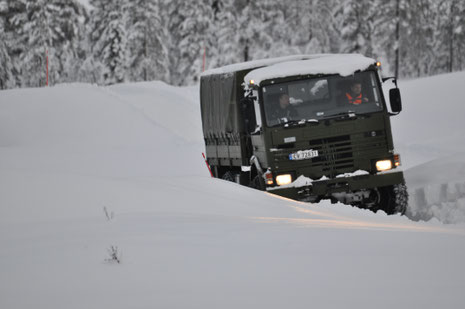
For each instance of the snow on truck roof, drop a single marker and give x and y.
(254, 64)
(342, 64)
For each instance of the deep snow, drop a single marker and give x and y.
(189, 241)
(430, 136)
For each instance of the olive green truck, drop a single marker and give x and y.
(306, 127)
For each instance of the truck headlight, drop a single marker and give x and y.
(383, 165)
(283, 179)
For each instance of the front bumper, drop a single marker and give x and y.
(324, 188)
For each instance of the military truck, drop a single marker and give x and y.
(306, 127)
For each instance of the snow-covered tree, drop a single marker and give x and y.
(418, 29)
(12, 16)
(6, 76)
(146, 38)
(92, 66)
(45, 27)
(450, 21)
(5, 61)
(358, 18)
(272, 37)
(459, 32)
(385, 32)
(166, 39)
(66, 35)
(109, 38)
(187, 24)
(223, 35)
(314, 28)
(254, 29)
(114, 50)
(38, 32)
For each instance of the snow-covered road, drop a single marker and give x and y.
(189, 241)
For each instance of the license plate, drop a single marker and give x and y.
(303, 154)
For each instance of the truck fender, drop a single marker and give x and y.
(254, 162)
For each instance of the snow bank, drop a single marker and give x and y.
(431, 124)
(437, 189)
(342, 64)
(429, 135)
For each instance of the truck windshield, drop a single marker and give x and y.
(321, 98)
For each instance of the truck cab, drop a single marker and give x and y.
(308, 128)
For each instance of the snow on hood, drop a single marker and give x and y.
(342, 64)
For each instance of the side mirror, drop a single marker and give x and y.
(396, 101)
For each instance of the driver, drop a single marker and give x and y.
(284, 109)
(355, 95)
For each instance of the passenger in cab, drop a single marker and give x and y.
(355, 95)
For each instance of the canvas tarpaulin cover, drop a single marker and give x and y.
(220, 114)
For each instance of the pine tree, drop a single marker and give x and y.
(357, 27)
(6, 77)
(98, 19)
(76, 68)
(114, 48)
(459, 32)
(5, 70)
(187, 24)
(314, 27)
(46, 27)
(38, 32)
(252, 35)
(386, 34)
(66, 33)
(223, 35)
(272, 37)
(108, 37)
(450, 19)
(92, 66)
(146, 41)
(12, 14)
(418, 29)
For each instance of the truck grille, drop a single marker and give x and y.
(335, 154)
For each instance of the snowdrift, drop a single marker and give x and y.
(90, 176)
(429, 134)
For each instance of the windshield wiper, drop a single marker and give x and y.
(293, 123)
(343, 115)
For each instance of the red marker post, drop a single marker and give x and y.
(46, 57)
(204, 58)
(208, 165)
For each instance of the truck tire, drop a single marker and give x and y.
(393, 199)
(258, 183)
(229, 176)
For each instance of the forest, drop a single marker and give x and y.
(114, 41)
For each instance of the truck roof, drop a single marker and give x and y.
(248, 65)
(342, 64)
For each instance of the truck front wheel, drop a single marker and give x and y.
(229, 176)
(393, 199)
(258, 183)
